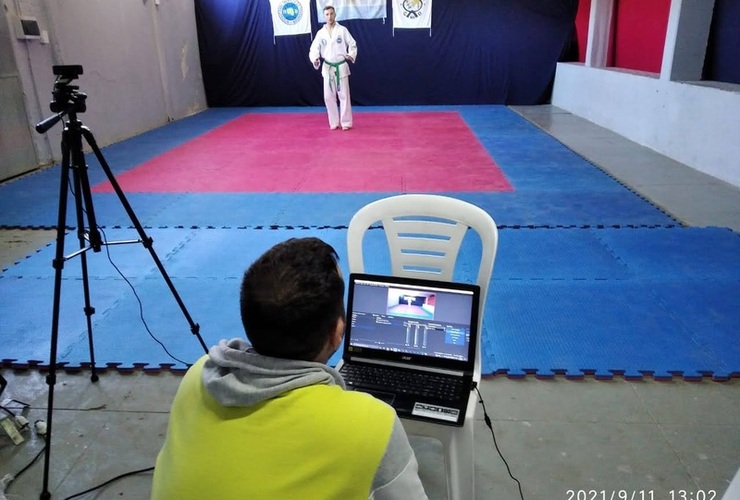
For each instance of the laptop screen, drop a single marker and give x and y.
(412, 320)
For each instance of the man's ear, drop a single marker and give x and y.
(338, 333)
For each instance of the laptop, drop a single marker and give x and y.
(411, 343)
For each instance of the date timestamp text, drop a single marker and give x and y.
(692, 495)
(640, 495)
(610, 495)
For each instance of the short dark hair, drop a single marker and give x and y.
(291, 299)
(329, 7)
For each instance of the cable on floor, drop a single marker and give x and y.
(490, 426)
(136, 295)
(8, 479)
(141, 306)
(121, 476)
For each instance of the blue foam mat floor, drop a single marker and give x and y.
(542, 209)
(590, 279)
(553, 186)
(629, 302)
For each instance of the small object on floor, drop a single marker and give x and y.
(9, 427)
(40, 427)
(21, 422)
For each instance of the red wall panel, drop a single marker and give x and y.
(582, 16)
(639, 34)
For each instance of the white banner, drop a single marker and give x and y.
(290, 17)
(412, 14)
(353, 9)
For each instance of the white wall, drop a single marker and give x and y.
(16, 143)
(695, 123)
(140, 58)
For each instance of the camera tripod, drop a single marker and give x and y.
(69, 102)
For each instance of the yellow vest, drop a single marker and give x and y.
(316, 442)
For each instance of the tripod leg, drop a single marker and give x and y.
(82, 185)
(58, 266)
(146, 240)
(83, 205)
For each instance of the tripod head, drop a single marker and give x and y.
(67, 99)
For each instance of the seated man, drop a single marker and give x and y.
(272, 420)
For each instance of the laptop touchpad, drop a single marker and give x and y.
(383, 396)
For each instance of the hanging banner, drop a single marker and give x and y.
(290, 17)
(412, 14)
(353, 9)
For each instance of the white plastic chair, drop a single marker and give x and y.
(424, 234)
(733, 490)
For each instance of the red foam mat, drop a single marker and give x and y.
(298, 153)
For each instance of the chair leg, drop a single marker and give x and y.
(460, 464)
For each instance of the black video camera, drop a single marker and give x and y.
(67, 98)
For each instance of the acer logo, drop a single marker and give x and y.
(406, 358)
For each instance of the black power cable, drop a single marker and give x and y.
(141, 306)
(490, 426)
(136, 295)
(12, 478)
(121, 476)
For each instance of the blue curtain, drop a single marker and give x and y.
(479, 52)
(722, 63)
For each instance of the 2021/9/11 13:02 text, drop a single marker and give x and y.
(640, 495)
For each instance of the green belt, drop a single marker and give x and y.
(336, 70)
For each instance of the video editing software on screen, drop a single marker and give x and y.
(411, 320)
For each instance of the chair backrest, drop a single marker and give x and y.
(424, 234)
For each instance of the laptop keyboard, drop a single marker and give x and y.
(426, 385)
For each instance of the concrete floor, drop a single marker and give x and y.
(559, 437)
